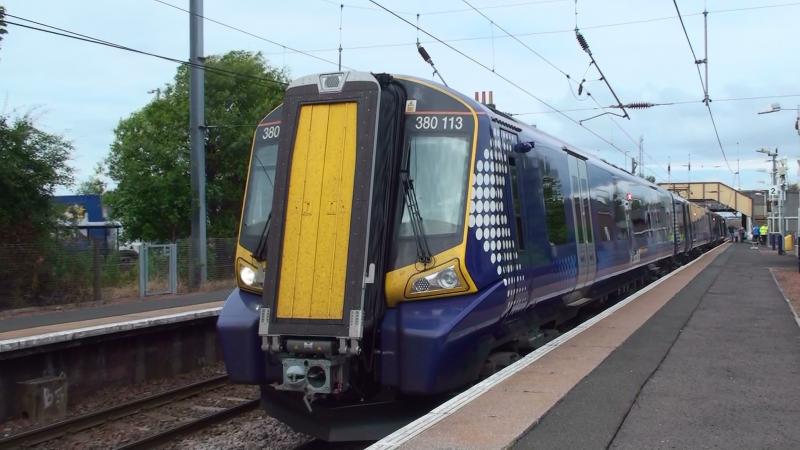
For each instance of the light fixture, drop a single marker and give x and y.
(250, 278)
(332, 82)
(444, 279)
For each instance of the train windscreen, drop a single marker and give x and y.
(260, 185)
(438, 167)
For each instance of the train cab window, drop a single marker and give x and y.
(438, 166)
(258, 201)
(515, 180)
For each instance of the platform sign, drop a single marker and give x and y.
(776, 193)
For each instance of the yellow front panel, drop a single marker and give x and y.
(317, 229)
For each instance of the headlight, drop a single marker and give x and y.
(247, 275)
(250, 277)
(443, 279)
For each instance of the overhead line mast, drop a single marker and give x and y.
(197, 142)
(703, 84)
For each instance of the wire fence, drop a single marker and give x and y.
(85, 271)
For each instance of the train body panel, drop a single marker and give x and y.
(443, 230)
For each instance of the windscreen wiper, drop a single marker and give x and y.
(261, 247)
(423, 251)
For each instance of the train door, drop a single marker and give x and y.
(584, 232)
(690, 227)
(516, 291)
(677, 238)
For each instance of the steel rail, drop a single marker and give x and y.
(167, 435)
(96, 418)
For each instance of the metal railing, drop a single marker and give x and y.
(82, 271)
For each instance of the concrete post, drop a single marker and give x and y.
(197, 272)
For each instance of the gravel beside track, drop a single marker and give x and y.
(117, 394)
(130, 428)
(251, 429)
(789, 281)
(254, 430)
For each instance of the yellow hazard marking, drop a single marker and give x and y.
(318, 209)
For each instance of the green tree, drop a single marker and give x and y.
(94, 184)
(32, 164)
(149, 157)
(650, 178)
(2, 22)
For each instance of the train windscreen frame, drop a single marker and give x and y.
(439, 134)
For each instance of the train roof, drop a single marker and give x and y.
(538, 135)
(528, 131)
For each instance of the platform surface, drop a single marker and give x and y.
(110, 310)
(58, 326)
(706, 358)
(717, 367)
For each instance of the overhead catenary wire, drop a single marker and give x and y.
(497, 74)
(504, 5)
(569, 78)
(541, 2)
(530, 49)
(697, 61)
(585, 46)
(706, 99)
(85, 38)
(642, 105)
(251, 34)
(533, 33)
(453, 11)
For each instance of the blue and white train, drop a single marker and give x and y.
(396, 235)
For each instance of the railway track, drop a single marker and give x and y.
(90, 421)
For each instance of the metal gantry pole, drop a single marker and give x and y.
(705, 60)
(774, 186)
(641, 156)
(198, 258)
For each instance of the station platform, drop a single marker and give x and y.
(23, 332)
(706, 357)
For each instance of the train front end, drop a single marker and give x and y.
(356, 202)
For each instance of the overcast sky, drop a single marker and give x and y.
(82, 90)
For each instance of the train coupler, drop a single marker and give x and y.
(314, 376)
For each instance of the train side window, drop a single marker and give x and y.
(619, 216)
(621, 203)
(638, 217)
(587, 209)
(515, 197)
(553, 193)
(576, 205)
(605, 216)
